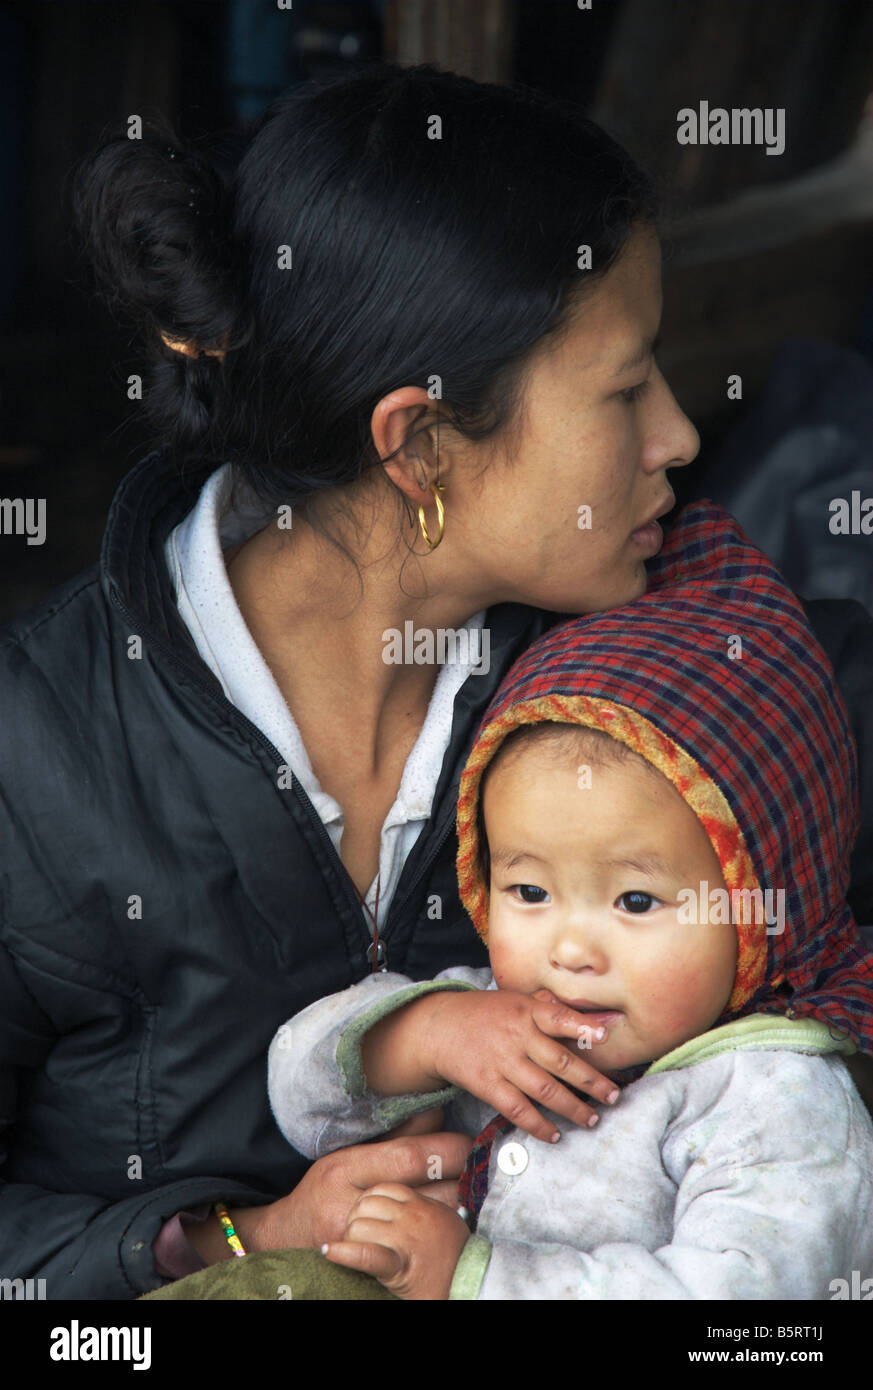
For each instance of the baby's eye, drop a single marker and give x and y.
(525, 888)
(638, 902)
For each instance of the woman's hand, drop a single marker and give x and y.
(318, 1208)
(501, 1046)
(409, 1242)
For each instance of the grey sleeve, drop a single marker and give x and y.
(317, 1089)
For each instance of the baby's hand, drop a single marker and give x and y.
(409, 1242)
(500, 1045)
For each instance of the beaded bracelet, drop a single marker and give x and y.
(230, 1234)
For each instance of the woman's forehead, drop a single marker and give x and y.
(618, 318)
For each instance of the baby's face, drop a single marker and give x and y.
(567, 915)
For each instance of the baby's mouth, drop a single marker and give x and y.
(590, 1011)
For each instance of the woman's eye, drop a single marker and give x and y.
(523, 889)
(634, 392)
(638, 902)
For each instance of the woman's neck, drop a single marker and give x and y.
(322, 633)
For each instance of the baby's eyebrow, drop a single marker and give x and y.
(506, 858)
(651, 864)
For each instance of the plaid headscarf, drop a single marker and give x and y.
(760, 747)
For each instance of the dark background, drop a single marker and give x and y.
(762, 251)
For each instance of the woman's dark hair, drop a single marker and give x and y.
(411, 257)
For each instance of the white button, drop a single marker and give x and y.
(512, 1159)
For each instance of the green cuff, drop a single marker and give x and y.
(470, 1269)
(391, 1110)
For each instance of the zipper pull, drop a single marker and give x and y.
(377, 957)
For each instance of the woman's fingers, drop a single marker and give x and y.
(380, 1202)
(318, 1207)
(415, 1160)
(445, 1191)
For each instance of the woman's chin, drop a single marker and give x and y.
(614, 597)
(631, 588)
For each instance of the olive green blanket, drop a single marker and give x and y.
(301, 1275)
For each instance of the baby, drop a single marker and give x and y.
(654, 828)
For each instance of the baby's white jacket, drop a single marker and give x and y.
(740, 1166)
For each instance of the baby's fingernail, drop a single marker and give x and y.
(600, 1033)
(595, 1119)
(324, 1249)
(613, 1097)
(555, 1137)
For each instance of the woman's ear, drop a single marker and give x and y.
(403, 427)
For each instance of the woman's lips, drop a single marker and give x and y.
(651, 536)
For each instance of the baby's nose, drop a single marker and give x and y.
(578, 948)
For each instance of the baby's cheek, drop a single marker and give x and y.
(674, 999)
(506, 967)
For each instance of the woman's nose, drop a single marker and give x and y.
(687, 442)
(680, 441)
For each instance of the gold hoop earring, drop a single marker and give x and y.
(436, 489)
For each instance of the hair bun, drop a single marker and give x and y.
(153, 218)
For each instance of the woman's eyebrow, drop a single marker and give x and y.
(648, 347)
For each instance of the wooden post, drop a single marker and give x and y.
(471, 37)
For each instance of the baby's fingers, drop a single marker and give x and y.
(369, 1258)
(546, 1090)
(574, 1070)
(514, 1105)
(558, 1020)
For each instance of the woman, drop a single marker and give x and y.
(405, 387)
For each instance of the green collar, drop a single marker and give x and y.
(767, 1032)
